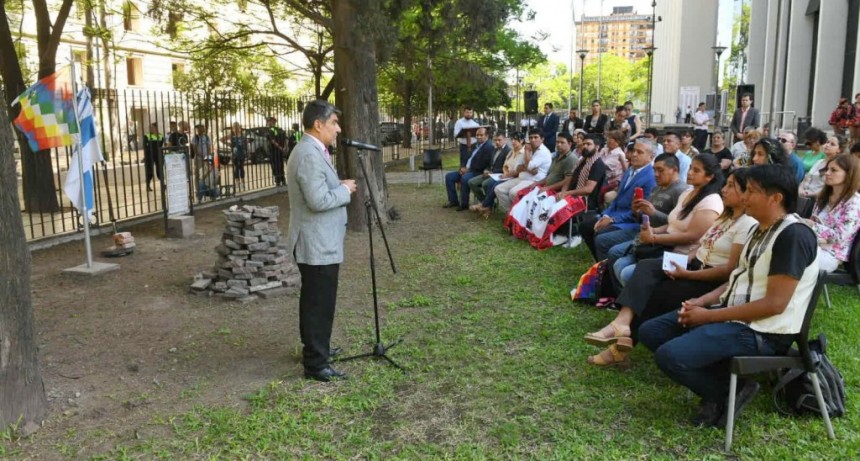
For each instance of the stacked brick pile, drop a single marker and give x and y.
(251, 261)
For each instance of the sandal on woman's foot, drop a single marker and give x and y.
(603, 302)
(610, 357)
(599, 338)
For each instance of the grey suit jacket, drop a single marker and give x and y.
(317, 206)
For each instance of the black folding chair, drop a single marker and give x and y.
(801, 357)
(432, 160)
(849, 274)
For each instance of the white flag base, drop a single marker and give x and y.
(97, 268)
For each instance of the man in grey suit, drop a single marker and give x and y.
(318, 200)
(745, 117)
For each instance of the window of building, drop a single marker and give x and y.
(134, 69)
(80, 66)
(131, 17)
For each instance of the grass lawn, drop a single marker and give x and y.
(497, 370)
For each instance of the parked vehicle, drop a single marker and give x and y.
(258, 145)
(390, 133)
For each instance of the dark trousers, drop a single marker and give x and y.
(586, 230)
(651, 293)
(316, 313)
(277, 161)
(152, 164)
(697, 358)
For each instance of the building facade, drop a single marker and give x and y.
(624, 33)
(684, 61)
(803, 56)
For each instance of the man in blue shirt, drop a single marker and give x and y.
(789, 141)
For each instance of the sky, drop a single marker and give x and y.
(555, 17)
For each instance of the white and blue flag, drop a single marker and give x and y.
(92, 154)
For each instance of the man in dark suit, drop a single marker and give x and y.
(318, 200)
(480, 159)
(572, 123)
(744, 117)
(478, 184)
(548, 124)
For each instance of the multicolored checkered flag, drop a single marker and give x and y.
(47, 115)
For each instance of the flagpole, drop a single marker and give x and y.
(80, 151)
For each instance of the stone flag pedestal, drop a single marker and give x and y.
(252, 262)
(96, 268)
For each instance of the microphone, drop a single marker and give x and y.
(359, 145)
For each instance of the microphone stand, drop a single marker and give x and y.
(379, 348)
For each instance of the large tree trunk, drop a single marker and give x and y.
(22, 394)
(356, 95)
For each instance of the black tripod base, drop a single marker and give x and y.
(379, 350)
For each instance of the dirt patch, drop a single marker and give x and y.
(128, 348)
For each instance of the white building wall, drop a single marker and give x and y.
(800, 27)
(684, 57)
(832, 28)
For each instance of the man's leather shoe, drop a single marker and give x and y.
(708, 415)
(450, 205)
(461, 208)
(325, 374)
(334, 351)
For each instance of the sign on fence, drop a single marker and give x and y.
(177, 182)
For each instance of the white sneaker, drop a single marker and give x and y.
(573, 242)
(558, 240)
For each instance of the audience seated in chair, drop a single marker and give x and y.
(478, 184)
(695, 212)
(836, 213)
(618, 223)
(813, 182)
(760, 309)
(512, 167)
(475, 165)
(615, 159)
(584, 180)
(672, 145)
(537, 166)
(651, 291)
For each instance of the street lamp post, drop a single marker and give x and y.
(581, 54)
(718, 50)
(650, 52)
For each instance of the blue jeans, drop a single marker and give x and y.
(623, 268)
(490, 193)
(604, 241)
(451, 179)
(698, 358)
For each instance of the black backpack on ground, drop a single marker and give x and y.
(794, 393)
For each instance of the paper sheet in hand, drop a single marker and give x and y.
(498, 177)
(669, 258)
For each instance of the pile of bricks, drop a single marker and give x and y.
(251, 261)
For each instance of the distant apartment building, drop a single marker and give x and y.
(623, 33)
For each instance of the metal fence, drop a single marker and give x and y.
(123, 118)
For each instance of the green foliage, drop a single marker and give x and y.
(462, 48)
(621, 80)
